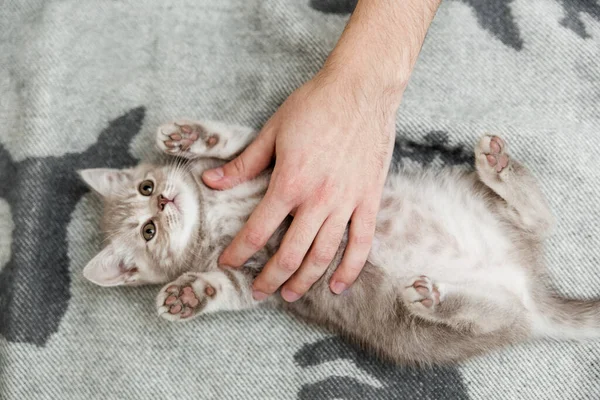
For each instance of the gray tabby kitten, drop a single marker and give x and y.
(456, 267)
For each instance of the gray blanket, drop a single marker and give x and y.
(85, 83)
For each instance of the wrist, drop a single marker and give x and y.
(374, 63)
(378, 50)
(368, 88)
(361, 61)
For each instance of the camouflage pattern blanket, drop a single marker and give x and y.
(84, 84)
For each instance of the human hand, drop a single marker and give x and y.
(332, 139)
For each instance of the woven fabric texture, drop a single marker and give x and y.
(85, 83)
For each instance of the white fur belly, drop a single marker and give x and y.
(436, 226)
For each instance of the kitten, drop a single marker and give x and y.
(455, 270)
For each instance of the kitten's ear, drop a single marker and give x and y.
(103, 180)
(107, 269)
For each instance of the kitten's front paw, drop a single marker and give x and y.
(185, 298)
(185, 138)
(422, 293)
(491, 154)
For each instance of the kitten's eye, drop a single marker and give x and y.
(146, 188)
(148, 231)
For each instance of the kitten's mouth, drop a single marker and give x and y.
(175, 204)
(164, 201)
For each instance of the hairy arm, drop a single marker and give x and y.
(381, 43)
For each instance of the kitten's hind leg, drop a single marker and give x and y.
(527, 206)
(195, 293)
(479, 310)
(203, 139)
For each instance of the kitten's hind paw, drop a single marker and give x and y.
(422, 294)
(491, 154)
(184, 298)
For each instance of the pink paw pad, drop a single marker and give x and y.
(431, 295)
(184, 137)
(497, 158)
(188, 297)
(181, 300)
(175, 308)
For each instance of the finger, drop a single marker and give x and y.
(319, 257)
(362, 230)
(263, 221)
(288, 258)
(253, 160)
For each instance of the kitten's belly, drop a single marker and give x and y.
(440, 227)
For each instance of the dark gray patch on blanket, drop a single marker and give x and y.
(42, 193)
(334, 6)
(493, 16)
(435, 148)
(573, 10)
(496, 17)
(396, 382)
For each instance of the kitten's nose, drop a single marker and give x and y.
(162, 201)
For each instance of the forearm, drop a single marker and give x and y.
(381, 43)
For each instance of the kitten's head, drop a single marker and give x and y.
(151, 215)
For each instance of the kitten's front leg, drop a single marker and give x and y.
(195, 293)
(203, 139)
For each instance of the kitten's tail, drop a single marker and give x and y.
(562, 318)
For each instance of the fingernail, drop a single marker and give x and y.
(338, 287)
(214, 174)
(289, 296)
(259, 296)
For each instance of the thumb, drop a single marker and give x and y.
(247, 165)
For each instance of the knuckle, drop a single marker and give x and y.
(324, 193)
(302, 283)
(254, 239)
(263, 286)
(352, 270)
(368, 220)
(290, 190)
(289, 262)
(361, 240)
(289, 184)
(270, 289)
(269, 285)
(297, 283)
(311, 276)
(265, 283)
(300, 286)
(239, 165)
(323, 255)
(301, 232)
(339, 228)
